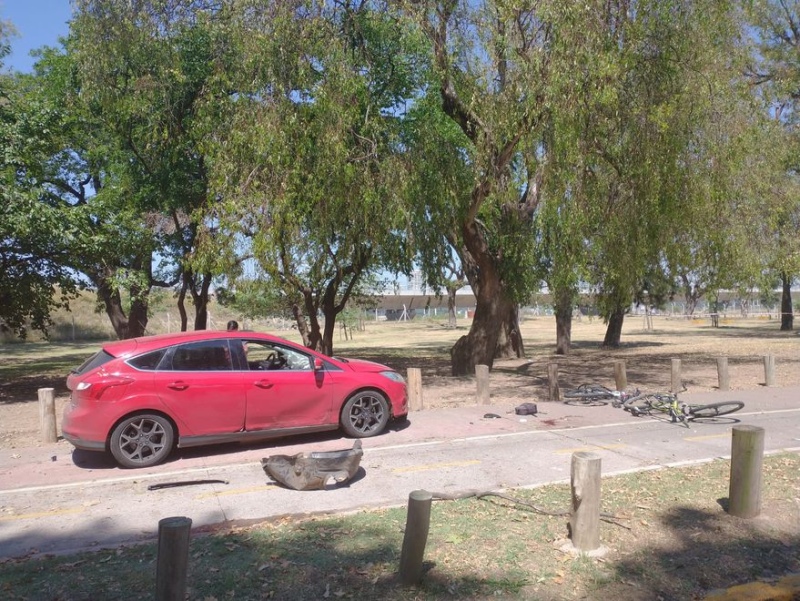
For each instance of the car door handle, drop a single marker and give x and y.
(263, 383)
(179, 385)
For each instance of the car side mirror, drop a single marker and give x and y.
(318, 364)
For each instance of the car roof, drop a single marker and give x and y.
(143, 344)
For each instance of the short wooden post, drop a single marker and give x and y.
(418, 520)
(482, 378)
(747, 455)
(585, 518)
(769, 370)
(173, 558)
(552, 382)
(722, 373)
(47, 413)
(676, 384)
(415, 401)
(620, 377)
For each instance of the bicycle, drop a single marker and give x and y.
(646, 404)
(595, 395)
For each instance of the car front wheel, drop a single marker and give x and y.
(365, 414)
(142, 440)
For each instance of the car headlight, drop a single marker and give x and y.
(394, 376)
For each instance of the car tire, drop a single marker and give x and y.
(365, 414)
(142, 440)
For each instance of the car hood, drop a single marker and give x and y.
(361, 365)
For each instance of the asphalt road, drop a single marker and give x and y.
(56, 500)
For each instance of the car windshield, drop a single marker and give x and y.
(92, 362)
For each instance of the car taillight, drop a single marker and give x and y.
(98, 387)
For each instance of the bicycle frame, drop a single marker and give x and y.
(665, 403)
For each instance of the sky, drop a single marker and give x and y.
(38, 23)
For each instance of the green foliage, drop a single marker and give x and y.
(253, 299)
(34, 244)
(314, 146)
(309, 159)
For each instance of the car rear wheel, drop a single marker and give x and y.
(365, 414)
(142, 440)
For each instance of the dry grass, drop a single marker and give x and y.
(670, 540)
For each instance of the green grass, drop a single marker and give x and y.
(43, 359)
(670, 539)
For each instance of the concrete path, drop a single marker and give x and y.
(57, 500)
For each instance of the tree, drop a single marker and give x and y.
(66, 160)
(775, 70)
(490, 71)
(309, 156)
(145, 70)
(647, 88)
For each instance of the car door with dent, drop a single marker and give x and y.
(283, 390)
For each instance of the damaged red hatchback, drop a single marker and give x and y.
(139, 398)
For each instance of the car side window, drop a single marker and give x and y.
(210, 355)
(268, 356)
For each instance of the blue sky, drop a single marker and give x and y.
(38, 23)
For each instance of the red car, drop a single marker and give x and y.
(139, 398)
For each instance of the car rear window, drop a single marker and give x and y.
(96, 360)
(209, 355)
(148, 361)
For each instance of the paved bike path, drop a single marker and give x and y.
(54, 500)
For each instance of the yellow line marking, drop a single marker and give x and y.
(606, 447)
(708, 436)
(235, 491)
(434, 466)
(42, 514)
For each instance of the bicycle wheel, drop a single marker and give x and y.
(641, 404)
(588, 394)
(714, 409)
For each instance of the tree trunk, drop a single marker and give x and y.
(451, 308)
(509, 340)
(329, 312)
(137, 318)
(182, 306)
(691, 304)
(787, 314)
(563, 311)
(124, 326)
(614, 329)
(302, 325)
(563, 331)
(200, 300)
(314, 330)
(479, 346)
(113, 305)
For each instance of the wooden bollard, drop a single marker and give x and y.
(585, 517)
(415, 401)
(47, 414)
(769, 370)
(482, 379)
(620, 377)
(722, 373)
(676, 385)
(552, 382)
(418, 520)
(173, 558)
(747, 456)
